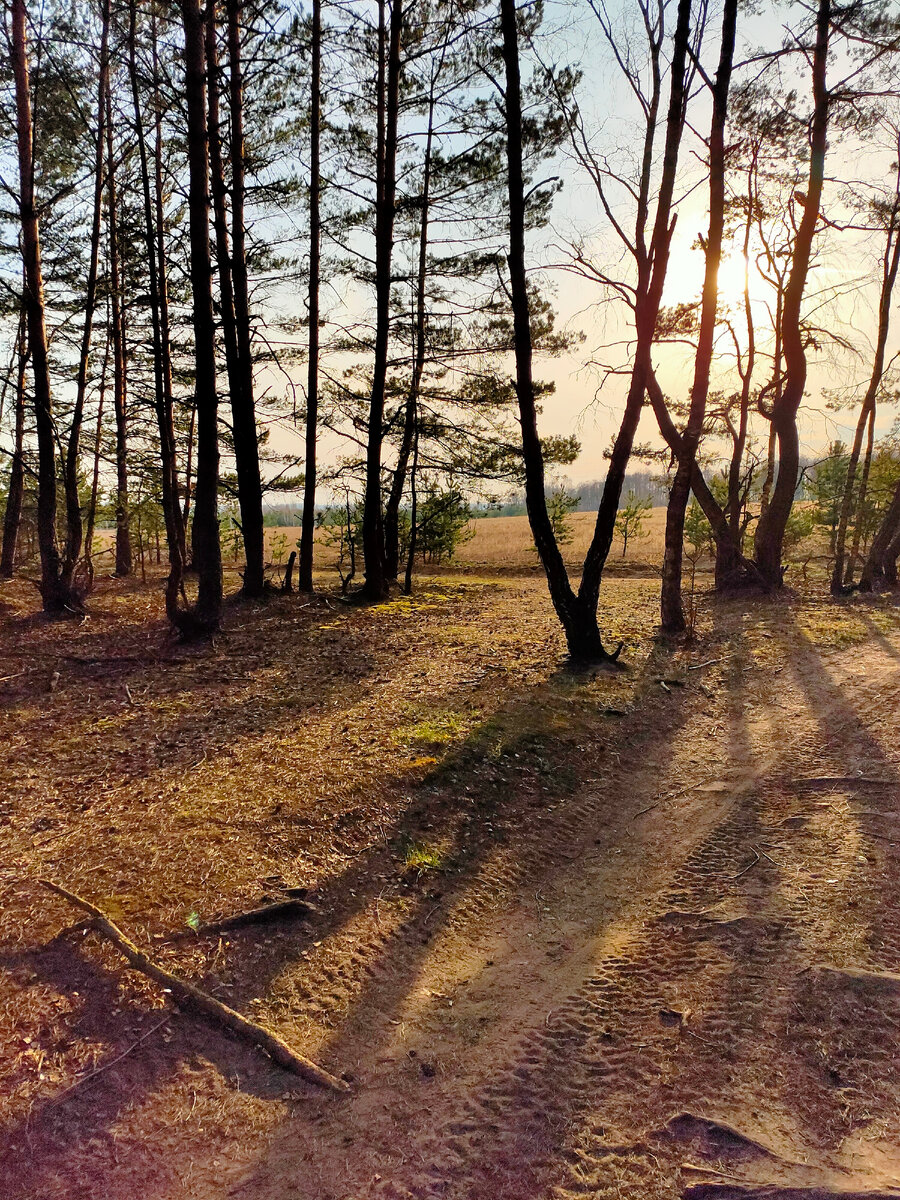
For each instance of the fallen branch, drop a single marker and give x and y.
(188, 996)
(254, 916)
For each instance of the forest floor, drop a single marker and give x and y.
(624, 934)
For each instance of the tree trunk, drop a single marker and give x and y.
(395, 497)
(890, 263)
(55, 596)
(91, 518)
(124, 556)
(879, 563)
(167, 442)
(889, 561)
(16, 493)
(672, 608)
(307, 530)
(207, 551)
(413, 510)
(233, 292)
(731, 566)
(162, 392)
(578, 619)
(376, 583)
(772, 523)
(652, 275)
(736, 490)
(74, 526)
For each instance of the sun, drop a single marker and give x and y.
(684, 279)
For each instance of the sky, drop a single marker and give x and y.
(580, 403)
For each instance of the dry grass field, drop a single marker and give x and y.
(504, 545)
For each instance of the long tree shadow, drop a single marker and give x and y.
(848, 1039)
(53, 1132)
(515, 1135)
(532, 1100)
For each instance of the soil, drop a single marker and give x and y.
(624, 934)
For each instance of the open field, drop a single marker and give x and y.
(501, 545)
(599, 933)
(505, 545)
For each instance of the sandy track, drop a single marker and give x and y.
(625, 1003)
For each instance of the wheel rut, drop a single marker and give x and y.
(648, 1022)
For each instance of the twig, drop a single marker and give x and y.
(187, 995)
(640, 812)
(749, 865)
(699, 666)
(106, 1066)
(770, 858)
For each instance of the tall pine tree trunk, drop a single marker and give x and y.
(16, 491)
(672, 608)
(207, 552)
(55, 596)
(124, 557)
(579, 620)
(307, 530)
(74, 525)
(376, 583)
(773, 521)
(652, 275)
(889, 264)
(161, 363)
(243, 407)
(91, 518)
(395, 496)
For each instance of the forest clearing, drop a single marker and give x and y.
(570, 931)
(449, 603)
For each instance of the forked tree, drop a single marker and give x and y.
(577, 611)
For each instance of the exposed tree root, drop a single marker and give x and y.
(188, 996)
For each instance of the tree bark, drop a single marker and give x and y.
(772, 522)
(885, 544)
(889, 263)
(55, 596)
(233, 292)
(672, 608)
(652, 275)
(307, 530)
(124, 555)
(161, 364)
(395, 497)
(376, 583)
(91, 518)
(578, 618)
(74, 525)
(731, 565)
(207, 551)
(16, 493)
(168, 444)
